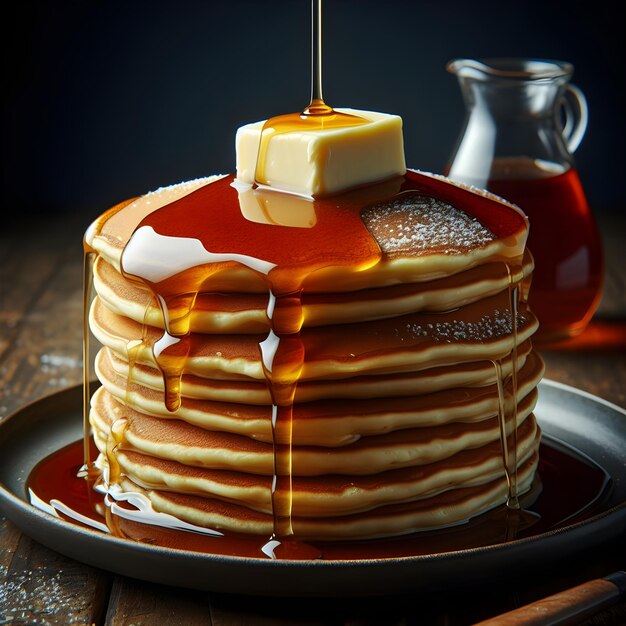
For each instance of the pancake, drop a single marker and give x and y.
(356, 387)
(326, 422)
(174, 440)
(443, 510)
(332, 494)
(246, 313)
(389, 378)
(479, 331)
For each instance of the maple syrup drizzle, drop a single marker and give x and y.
(284, 257)
(115, 438)
(513, 495)
(507, 398)
(88, 260)
(282, 355)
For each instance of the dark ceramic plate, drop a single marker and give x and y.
(593, 426)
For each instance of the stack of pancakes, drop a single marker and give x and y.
(396, 412)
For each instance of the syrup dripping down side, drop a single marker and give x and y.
(283, 356)
(88, 470)
(507, 400)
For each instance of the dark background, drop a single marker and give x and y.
(107, 100)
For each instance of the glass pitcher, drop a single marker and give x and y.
(524, 121)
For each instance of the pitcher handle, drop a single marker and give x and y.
(576, 111)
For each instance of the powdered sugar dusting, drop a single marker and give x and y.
(490, 326)
(419, 224)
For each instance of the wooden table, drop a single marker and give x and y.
(40, 353)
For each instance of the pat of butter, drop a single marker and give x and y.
(325, 161)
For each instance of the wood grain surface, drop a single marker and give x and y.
(40, 353)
